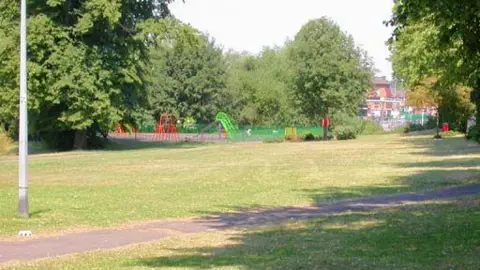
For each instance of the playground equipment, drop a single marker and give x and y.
(227, 124)
(291, 133)
(120, 130)
(166, 129)
(224, 125)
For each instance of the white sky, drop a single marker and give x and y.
(249, 25)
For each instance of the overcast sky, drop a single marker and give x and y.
(249, 25)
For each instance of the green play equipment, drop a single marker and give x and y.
(227, 124)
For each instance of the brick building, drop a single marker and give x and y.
(383, 102)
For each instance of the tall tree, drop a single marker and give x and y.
(262, 87)
(455, 42)
(86, 64)
(417, 59)
(188, 75)
(424, 95)
(332, 74)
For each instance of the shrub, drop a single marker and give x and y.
(5, 142)
(309, 137)
(343, 119)
(329, 137)
(430, 124)
(345, 132)
(474, 133)
(345, 126)
(371, 128)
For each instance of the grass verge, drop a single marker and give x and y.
(434, 235)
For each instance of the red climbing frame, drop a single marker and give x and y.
(166, 129)
(120, 130)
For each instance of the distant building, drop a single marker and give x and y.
(383, 102)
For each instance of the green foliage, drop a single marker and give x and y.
(346, 127)
(345, 132)
(189, 122)
(474, 133)
(342, 119)
(86, 63)
(426, 90)
(309, 137)
(456, 108)
(430, 124)
(188, 75)
(330, 71)
(370, 128)
(439, 38)
(6, 143)
(449, 36)
(259, 89)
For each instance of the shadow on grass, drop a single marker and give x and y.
(39, 213)
(469, 162)
(126, 145)
(432, 177)
(402, 231)
(436, 236)
(37, 148)
(445, 147)
(267, 216)
(461, 168)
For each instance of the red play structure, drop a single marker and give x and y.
(120, 130)
(166, 129)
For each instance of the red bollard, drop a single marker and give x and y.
(446, 127)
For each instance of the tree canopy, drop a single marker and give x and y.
(439, 39)
(94, 64)
(331, 73)
(188, 75)
(86, 62)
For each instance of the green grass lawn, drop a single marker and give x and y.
(79, 190)
(435, 235)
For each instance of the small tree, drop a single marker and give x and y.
(425, 94)
(331, 73)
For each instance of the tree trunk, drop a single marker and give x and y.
(80, 141)
(475, 97)
(438, 122)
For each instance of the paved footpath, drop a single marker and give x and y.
(157, 230)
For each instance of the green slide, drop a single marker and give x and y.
(227, 124)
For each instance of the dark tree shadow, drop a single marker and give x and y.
(129, 144)
(409, 237)
(354, 228)
(445, 147)
(472, 162)
(463, 174)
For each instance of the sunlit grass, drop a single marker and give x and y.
(78, 190)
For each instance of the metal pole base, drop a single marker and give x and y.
(23, 202)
